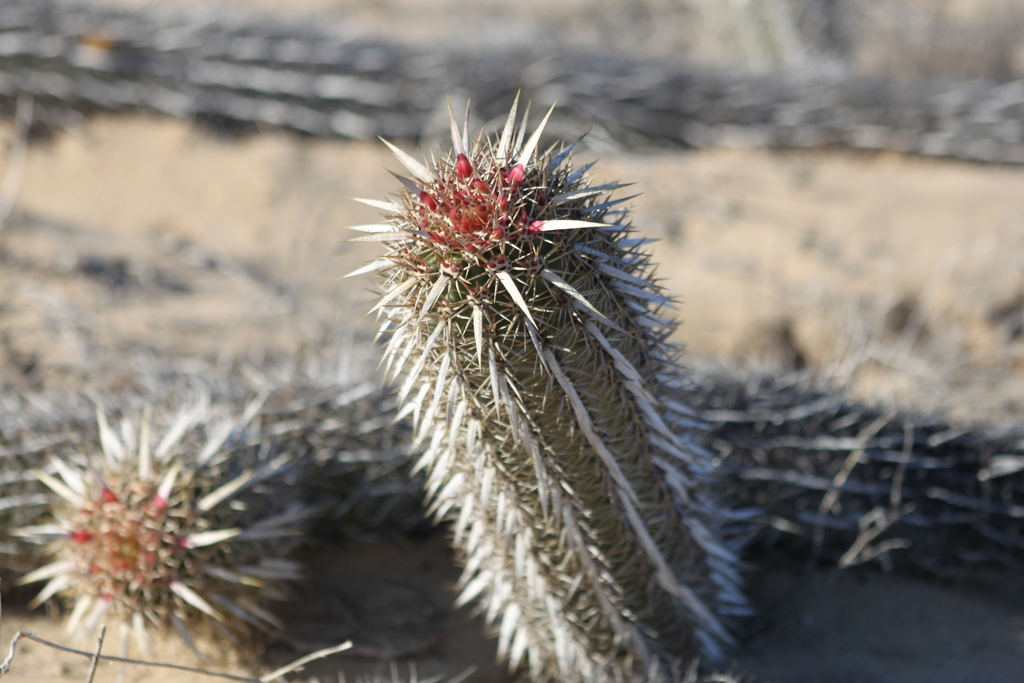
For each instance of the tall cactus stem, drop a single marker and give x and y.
(527, 328)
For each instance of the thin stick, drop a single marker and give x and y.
(16, 158)
(828, 501)
(108, 658)
(896, 496)
(5, 666)
(96, 657)
(878, 521)
(830, 498)
(302, 661)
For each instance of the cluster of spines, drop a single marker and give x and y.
(538, 371)
(174, 536)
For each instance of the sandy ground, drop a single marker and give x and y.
(902, 277)
(391, 598)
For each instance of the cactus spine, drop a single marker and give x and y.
(189, 533)
(524, 319)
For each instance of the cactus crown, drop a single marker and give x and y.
(522, 313)
(173, 537)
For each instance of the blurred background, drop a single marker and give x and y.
(153, 236)
(899, 39)
(793, 157)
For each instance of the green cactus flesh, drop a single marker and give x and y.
(525, 326)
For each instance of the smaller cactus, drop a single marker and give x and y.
(181, 535)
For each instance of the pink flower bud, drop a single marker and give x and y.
(463, 167)
(516, 175)
(428, 201)
(80, 537)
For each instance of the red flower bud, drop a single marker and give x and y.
(463, 167)
(516, 175)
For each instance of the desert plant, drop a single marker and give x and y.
(25, 439)
(849, 482)
(188, 534)
(523, 313)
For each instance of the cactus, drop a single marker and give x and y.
(24, 436)
(189, 534)
(22, 500)
(526, 324)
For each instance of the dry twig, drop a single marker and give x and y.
(856, 482)
(95, 657)
(16, 157)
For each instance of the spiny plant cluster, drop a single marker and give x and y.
(528, 329)
(189, 533)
